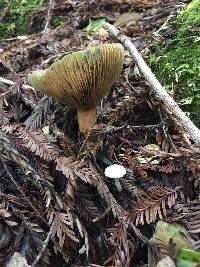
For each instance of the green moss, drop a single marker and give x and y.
(57, 21)
(14, 14)
(179, 65)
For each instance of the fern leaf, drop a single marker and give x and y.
(74, 169)
(40, 112)
(84, 235)
(154, 205)
(62, 225)
(38, 144)
(9, 128)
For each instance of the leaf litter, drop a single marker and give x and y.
(57, 208)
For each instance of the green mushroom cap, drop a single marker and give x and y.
(81, 79)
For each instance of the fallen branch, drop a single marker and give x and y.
(9, 82)
(158, 89)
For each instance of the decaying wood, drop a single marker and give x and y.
(157, 88)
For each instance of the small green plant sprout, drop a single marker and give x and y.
(188, 258)
(57, 21)
(187, 100)
(94, 26)
(116, 172)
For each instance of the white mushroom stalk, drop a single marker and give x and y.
(116, 172)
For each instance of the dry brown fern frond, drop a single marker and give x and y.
(193, 215)
(168, 167)
(44, 172)
(3, 114)
(75, 170)
(25, 167)
(62, 225)
(87, 204)
(124, 248)
(153, 204)
(122, 108)
(39, 144)
(40, 112)
(5, 215)
(9, 128)
(67, 166)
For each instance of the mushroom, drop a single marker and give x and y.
(116, 172)
(81, 79)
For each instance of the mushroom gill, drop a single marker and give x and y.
(81, 79)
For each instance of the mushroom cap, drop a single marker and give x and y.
(115, 171)
(81, 79)
(37, 79)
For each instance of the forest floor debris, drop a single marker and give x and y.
(54, 195)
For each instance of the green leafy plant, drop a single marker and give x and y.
(177, 62)
(14, 16)
(188, 258)
(94, 26)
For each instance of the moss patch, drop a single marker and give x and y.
(14, 14)
(177, 61)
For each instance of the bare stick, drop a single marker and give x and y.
(157, 88)
(51, 4)
(43, 249)
(133, 127)
(9, 82)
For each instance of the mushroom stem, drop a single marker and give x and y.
(118, 185)
(86, 119)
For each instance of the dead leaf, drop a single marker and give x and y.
(128, 18)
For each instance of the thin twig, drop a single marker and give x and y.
(43, 249)
(9, 82)
(178, 125)
(165, 155)
(167, 135)
(155, 85)
(49, 13)
(133, 127)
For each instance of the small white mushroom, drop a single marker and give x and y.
(116, 172)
